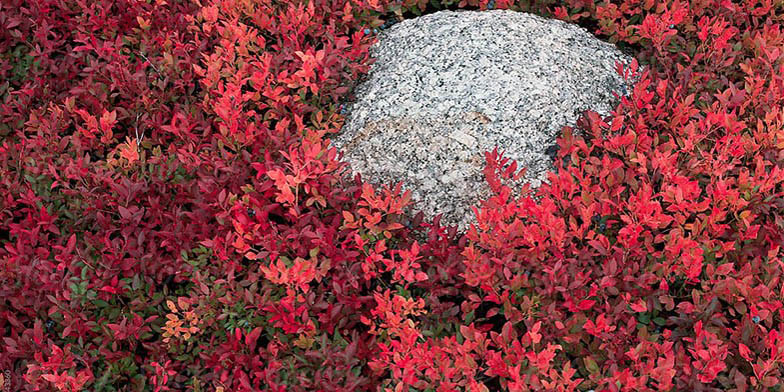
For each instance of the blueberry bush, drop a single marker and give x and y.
(173, 217)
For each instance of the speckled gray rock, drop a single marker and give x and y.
(448, 86)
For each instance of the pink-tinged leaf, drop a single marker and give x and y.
(348, 16)
(53, 378)
(639, 307)
(124, 212)
(252, 337)
(38, 333)
(744, 352)
(586, 304)
(69, 247)
(770, 381)
(534, 334)
(394, 226)
(129, 150)
(725, 268)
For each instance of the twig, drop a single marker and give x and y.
(136, 126)
(151, 64)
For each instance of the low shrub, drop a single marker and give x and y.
(174, 218)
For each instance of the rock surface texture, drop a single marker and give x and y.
(448, 86)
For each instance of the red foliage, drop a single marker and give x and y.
(173, 217)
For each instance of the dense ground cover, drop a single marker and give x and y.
(172, 217)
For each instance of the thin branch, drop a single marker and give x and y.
(136, 129)
(151, 64)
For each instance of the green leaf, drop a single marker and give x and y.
(100, 303)
(469, 317)
(644, 318)
(591, 365)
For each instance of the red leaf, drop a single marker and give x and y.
(586, 304)
(38, 333)
(348, 16)
(124, 212)
(252, 337)
(129, 150)
(639, 307)
(744, 352)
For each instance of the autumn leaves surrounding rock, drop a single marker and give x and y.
(171, 218)
(447, 87)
